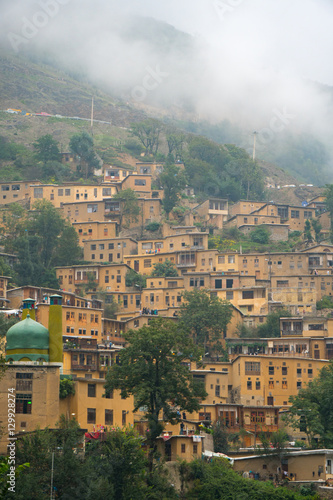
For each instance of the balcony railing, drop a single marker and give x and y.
(84, 367)
(290, 332)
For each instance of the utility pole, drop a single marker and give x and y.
(254, 145)
(51, 493)
(92, 115)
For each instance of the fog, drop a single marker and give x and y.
(262, 64)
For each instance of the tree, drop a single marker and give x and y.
(205, 317)
(66, 388)
(260, 235)
(307, 231)
(130, 209)
(175, 140)
(148, 132)
(311, 409)
(117, 466)
(133, 278)
(220, 437)
(166, 269)
(82, 145)
(153, 368)
(70, 474)
(41, 246)
(271, 328)
(172, 180)
(47, 149)
(317, 227)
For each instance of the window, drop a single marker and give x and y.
(252, 367)
(140, 182)
(183, 448)
(111, 246)
(299, 372)
(257, 385)
(218, 283)
(92, 207)
(217, 391)
(91, 390)
(295, 214)
(231, 259)
(229, 295)
(118, 278)
(284, 384)
(282, 283)
(67, 192)
(195, 449)
(299, 385)
(230, 283)
(284, 370)
(93, 247)
(249, 385)
(108, 417)
(106, 191)
(23, 384)
(38, 192)
(91, 415)
(271, 384)
(147, 263)
(221, 259)
(310, 373)
(123, 417)
(248, 294)
(60, 192)
(23, 403)
(257, 417)
(271, 370)
(101, 246)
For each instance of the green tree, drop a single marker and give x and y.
(82, 145)
(260, 235)
(317, 227)
(69, 478)
(153, 368)
(271, 327)
(133, 278)
(217, 481)
(307, 231)
(117, 466)
(172, 180)
(41, 246)
(311, 409)
(220, 437)
(47, 149)
(130, 208)
(175, 140)
(68, 250)
(148, 132)
(205, 317)
(66, 388)
(166, 269)
(329, 204)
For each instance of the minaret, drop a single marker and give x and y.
(55, 329)
(29, 308)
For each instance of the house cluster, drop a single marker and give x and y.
(249, 392)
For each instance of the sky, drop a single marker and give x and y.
(253, 62)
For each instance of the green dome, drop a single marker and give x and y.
(27, 335)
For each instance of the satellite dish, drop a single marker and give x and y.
(304, 203)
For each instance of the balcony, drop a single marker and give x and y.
(291, 333)
(84, 367)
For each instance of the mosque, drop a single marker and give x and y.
(34, 360)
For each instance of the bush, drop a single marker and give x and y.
(260, 235)
(153, 226)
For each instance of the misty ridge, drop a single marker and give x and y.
(223, 69)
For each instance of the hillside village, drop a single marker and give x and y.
(248, 389)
